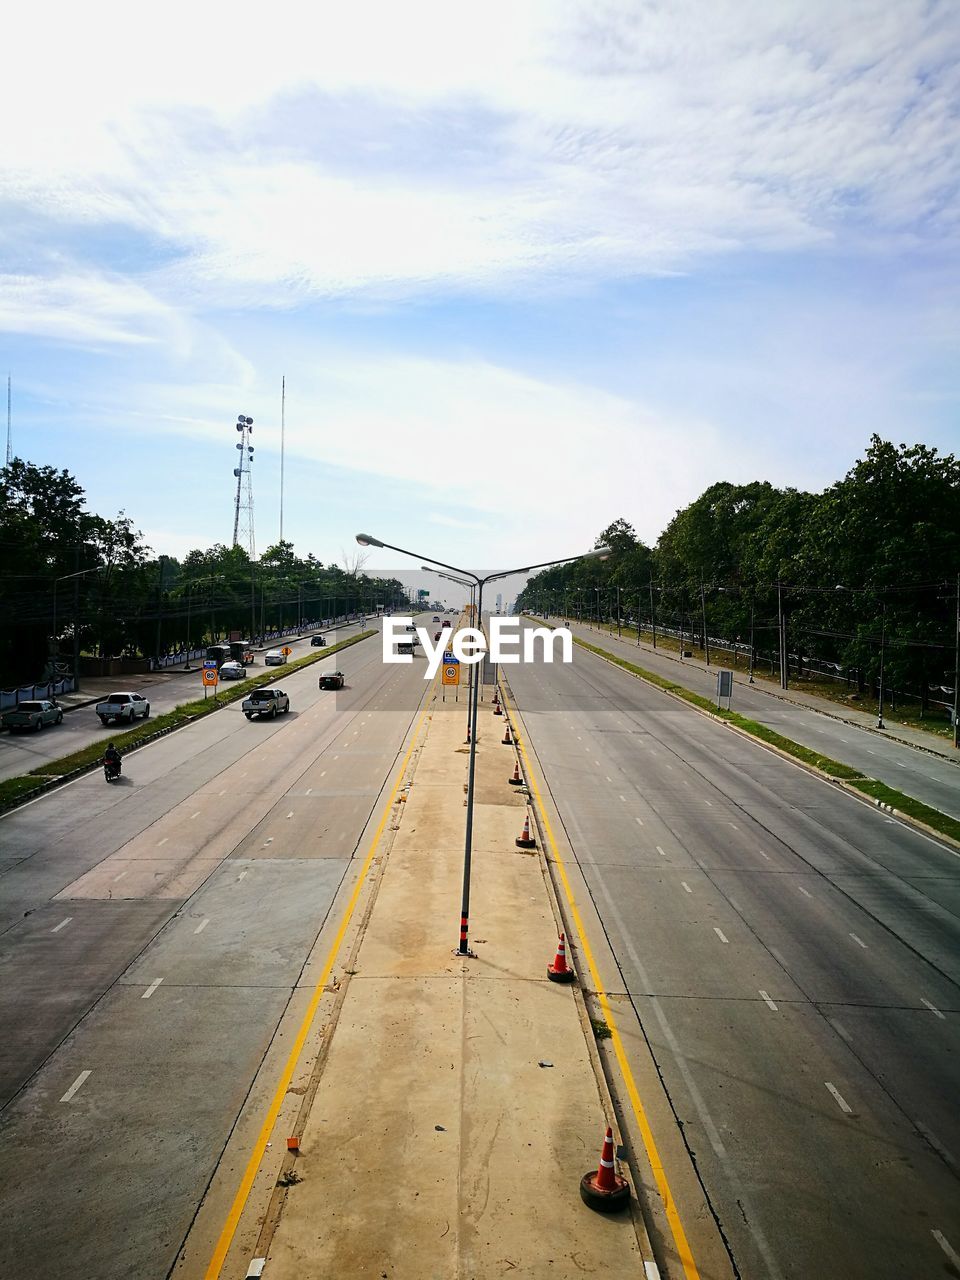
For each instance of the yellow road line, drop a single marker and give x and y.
(253, 1164)
(653, 1155)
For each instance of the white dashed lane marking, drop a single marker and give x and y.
(838, 1099)
(202, 925)
(767, 1001)
(932, 1007)
(62, 925)
(151, 989)
(77, 1084)
(720, 934)
(859, 941)
(686, 886)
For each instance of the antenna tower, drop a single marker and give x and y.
(243, 508)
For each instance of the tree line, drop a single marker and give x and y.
(73, 582)
(868, 566)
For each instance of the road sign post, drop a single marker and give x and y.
(724, 687)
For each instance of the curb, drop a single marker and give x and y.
(584, 998)
(60, 779)
(843, 783)
(884, 734)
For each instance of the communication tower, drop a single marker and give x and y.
(243, 508)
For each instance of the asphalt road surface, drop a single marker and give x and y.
(20, 752)
(152, 934)
(792, 956)
(925, 777)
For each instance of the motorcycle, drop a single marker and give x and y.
(111, 770)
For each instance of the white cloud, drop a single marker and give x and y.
(593, 140)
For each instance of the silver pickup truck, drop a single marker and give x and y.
(265, 702)
(122, 706)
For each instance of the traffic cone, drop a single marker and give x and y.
(496, 707)
(560, 971)
(506, 739)
(516, 780)
(605, 1189)
(523, 840)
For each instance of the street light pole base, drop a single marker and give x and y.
(465, 954)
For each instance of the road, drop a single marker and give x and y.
(926, 777)
(152, 935)
(792, 957)
(21, 752)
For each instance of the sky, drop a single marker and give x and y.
(525, 267)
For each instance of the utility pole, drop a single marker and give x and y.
(653, 616)
(160, 560)
(956, 671)
(784, 673)
(9, 437)
(703, 615)
(883, 636)
(283, 433)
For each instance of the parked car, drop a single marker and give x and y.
(331, 680)
(318, 642)
(265, 702)
(273, 658)
(233, 671)
(123, 706)
(32, 715)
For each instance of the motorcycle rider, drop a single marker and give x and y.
(111, 758)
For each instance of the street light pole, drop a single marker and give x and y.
(956, 672)
(63, 578)
(653, 617)
(618, 612)
(883, 636)
(703, 615)
(751, 680)
(782, 628)
(365, 540)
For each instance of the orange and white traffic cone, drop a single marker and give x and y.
(516, 780)
(560, 971)
(506, 739)
(496, 707)
(604, 1189)
(523, 840)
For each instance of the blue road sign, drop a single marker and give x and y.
(449, 657)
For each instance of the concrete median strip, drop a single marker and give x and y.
(436, 1143)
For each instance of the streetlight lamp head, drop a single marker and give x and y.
(599, 553)
(365, 540)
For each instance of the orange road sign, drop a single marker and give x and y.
(286, 651)
(210, 676)
(451, 673)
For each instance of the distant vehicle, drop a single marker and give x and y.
(273, 658)
(447, 623)
(221, 652)
(123, 706)
(241, 651)
(318, 642)
(436, 617)
(265, 702)
(331, 680)
(411, 627)
(32, 715)
(233, 671)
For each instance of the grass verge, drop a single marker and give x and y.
(15, 789)
(911, 808)
(832, 767)
(903, 804)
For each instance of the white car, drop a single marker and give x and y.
(273, 658)
(233, 671)
(123, 706)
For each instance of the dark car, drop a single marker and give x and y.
(331, 680)
(318, 642)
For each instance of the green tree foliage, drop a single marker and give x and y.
(131, 603)
(875, 554)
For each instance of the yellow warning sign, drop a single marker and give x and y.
(451, 673)
(286, 651)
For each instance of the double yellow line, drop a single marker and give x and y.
(229, 1229)
(653, 1155)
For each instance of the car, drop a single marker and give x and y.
(265, 702)
(123, 706)
(318, 642)
(32, 715)
(273, 658)
(331, 680)
(446, 623)
(438, 634)
(436, 617)
(233, 671)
